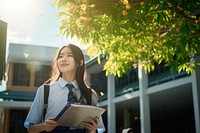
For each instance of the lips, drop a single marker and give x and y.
(64, 65)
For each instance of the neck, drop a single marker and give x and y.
(69, 77)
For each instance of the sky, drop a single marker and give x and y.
(32, 22)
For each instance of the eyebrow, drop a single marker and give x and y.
(66, 53)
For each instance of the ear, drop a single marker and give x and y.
(81, 62)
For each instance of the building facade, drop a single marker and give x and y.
(28, 66)
(3, 37)
(156, 102)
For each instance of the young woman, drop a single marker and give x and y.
(68, 67)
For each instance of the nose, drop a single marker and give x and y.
(64, 59)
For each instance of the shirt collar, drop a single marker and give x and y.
(63, 83)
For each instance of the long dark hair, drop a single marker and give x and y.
(80, 72)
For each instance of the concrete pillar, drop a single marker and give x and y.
(144, 100)
(196, 97)
(111, 111)
(6, 121)
(1, 119)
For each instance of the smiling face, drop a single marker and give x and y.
(66, 62)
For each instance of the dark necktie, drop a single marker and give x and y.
(71, 96)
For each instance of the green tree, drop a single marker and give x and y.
(127, 31)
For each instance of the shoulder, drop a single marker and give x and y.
(95, 97)
(52, 85)
(94, 90)
(94, 93)
(40, 90)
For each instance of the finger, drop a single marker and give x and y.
(95, 121)
(88, 126)
(52, 122)
(50, 127)
(91, 126)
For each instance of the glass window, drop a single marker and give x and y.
(99, 82)
(17, 118)
(159, 69)
(126, 79)
(42, 74)
(21, 74)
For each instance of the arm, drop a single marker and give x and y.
(48, 126)
(36, 128)
(34, 121)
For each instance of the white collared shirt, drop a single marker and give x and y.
(58, 95)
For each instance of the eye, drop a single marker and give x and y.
(70, 55)
(60, 56)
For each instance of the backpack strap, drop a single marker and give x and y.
(89, 97)
(46, 95)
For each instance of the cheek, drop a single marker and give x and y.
(58, 63)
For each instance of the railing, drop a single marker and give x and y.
(17, 95)
(152, 81)
(127, 89)
(165, 77)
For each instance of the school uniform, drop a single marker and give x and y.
(58, 95)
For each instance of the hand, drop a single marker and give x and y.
(92, 125)
(50, 124)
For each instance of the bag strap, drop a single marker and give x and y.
(46, 95)
(90, 99)
(89, 96)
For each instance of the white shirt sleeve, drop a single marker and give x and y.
(101, 127)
